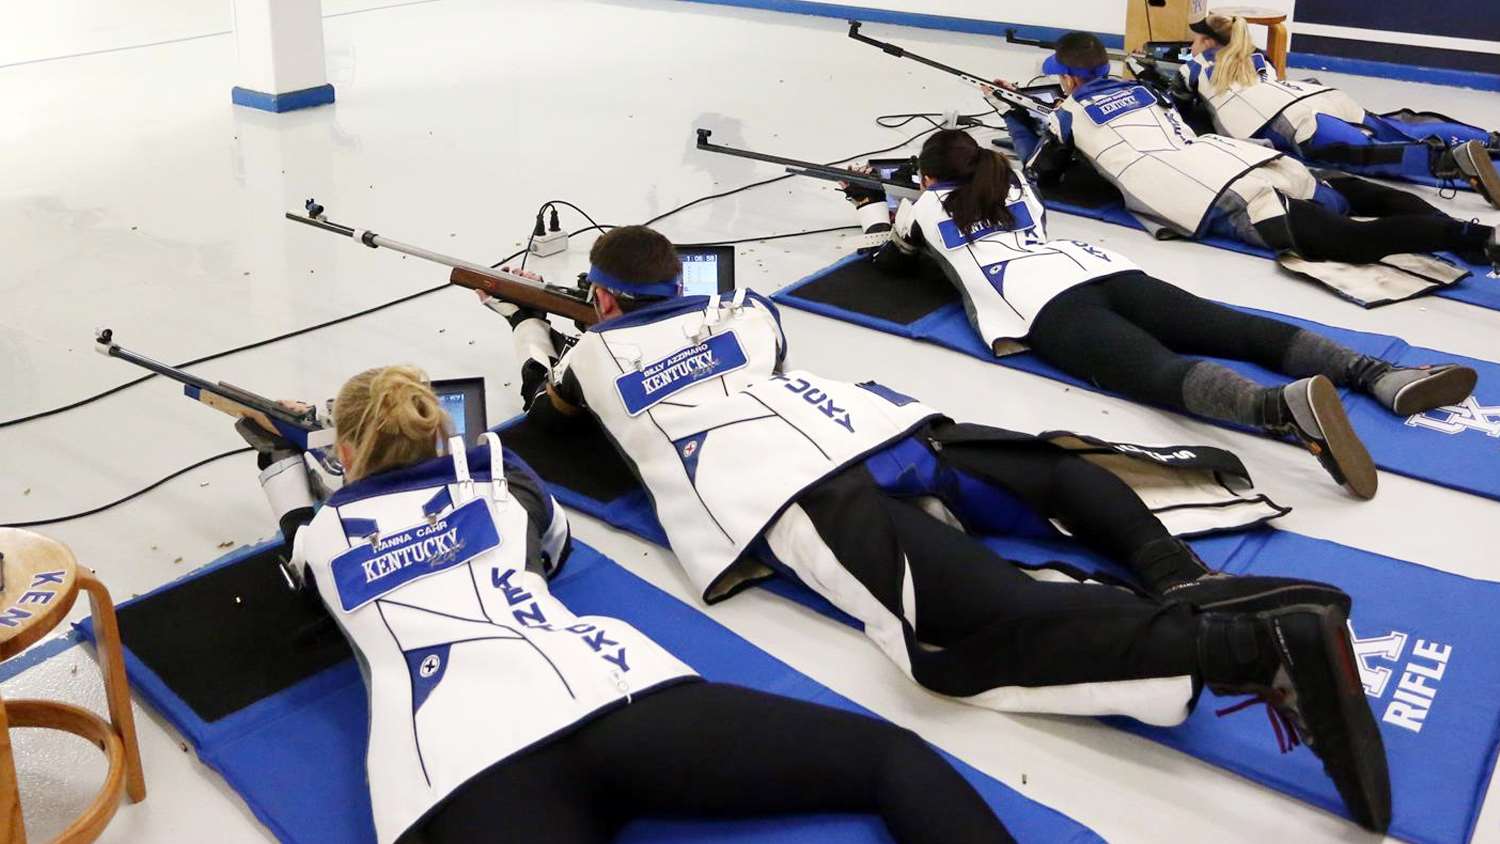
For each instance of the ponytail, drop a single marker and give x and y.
(389, 417)
(1234, 66)
(984, 180)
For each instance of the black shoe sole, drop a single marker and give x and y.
(1368, 799)
(1350, 459)
(1449, 386)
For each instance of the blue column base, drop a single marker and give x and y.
(289, 101)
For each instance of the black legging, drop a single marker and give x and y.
(1131, 333)
(1097, 508)
(995, 624)
(713, 750)
(1405, 223)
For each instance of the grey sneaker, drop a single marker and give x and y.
(1405, 391)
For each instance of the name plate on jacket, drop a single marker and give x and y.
(365, 572)
(678, 371)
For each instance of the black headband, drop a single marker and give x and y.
(1202, 28)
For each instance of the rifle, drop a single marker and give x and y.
(301, 428)
(570, 302)
(899, 190)
(990, 89)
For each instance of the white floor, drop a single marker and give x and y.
(132, 195)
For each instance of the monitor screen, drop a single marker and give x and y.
(463, 399)
(1169, 51)
(700, 274)
(453, 403)
(706, 270)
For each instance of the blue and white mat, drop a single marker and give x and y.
(1425, 640)
(1456, 447)
(296, 755)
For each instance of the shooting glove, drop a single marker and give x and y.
(269, 446)
(860, 195)
(514, 314)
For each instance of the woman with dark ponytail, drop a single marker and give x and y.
(982, 179)
(1095, 315)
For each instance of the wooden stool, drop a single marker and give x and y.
(1276, 35)
(39, 580)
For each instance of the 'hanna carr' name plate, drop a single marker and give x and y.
(678, 371)
(365, 572)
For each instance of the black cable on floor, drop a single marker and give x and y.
(138, 493)
(883, 120)
(216, 355)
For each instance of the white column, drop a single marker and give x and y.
(280, 45)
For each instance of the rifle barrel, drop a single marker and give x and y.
(373, 240)
(185, 378)
(320, 223)
(972, 78)
(808, 168)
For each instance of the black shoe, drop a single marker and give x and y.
(1475, 167)
(1219, 592)
(1486, 251)
(1310, 411)
(1299, 661)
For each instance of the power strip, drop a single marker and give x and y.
(550, 243)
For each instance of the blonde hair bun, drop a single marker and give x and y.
(389, 417)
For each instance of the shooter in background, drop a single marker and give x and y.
(1205, 185)
(1321, 125)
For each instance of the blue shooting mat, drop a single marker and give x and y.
(1477, 289)
(1424, 638)
(1453, 447)
(297, 755)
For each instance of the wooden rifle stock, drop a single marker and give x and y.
(298, 426)
(550, 299)
(501, 284)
